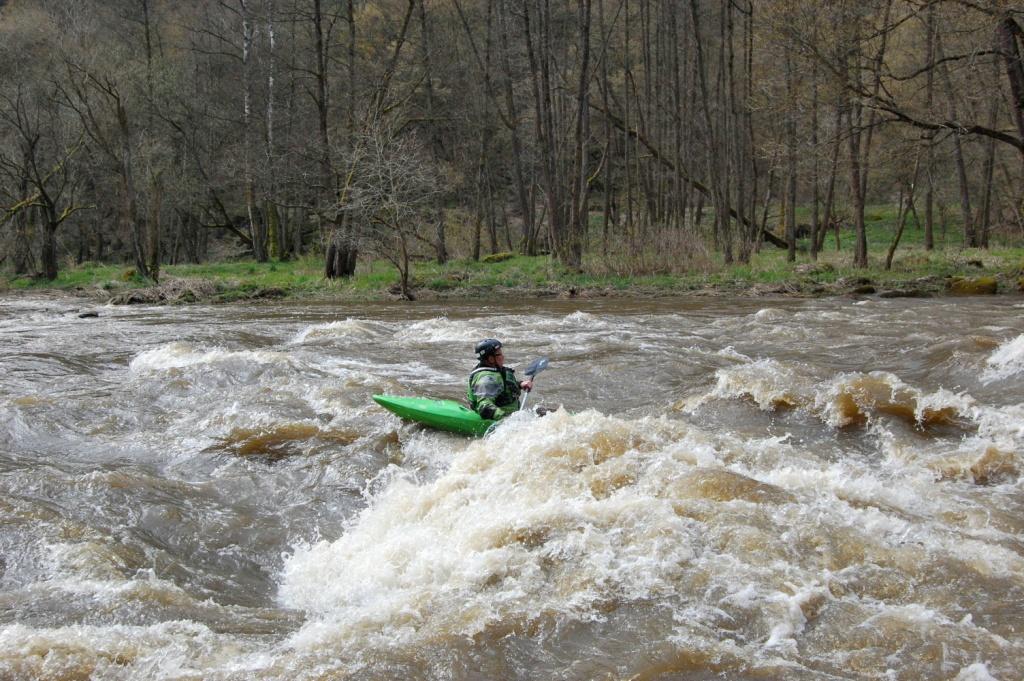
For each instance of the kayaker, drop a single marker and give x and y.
(493, 388)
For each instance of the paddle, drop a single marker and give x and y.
(533, 368)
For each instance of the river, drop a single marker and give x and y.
(731, 488)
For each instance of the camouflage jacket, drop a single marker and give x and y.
(493, 393)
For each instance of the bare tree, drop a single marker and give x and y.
(394, 184)
(44, 148)
(244, 125)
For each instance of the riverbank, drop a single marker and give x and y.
(916, 273)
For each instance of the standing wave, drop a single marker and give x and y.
(652, 531)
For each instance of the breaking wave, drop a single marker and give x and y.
(1007, 361)
(183, 355)
(845, 400)
(361, 329)
(519, 519)
(585, 517)
(444, 330)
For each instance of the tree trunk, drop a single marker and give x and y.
(572, 247)
(338, 256)
(49, 245)
(970, 238)
(492, 221)
(404, 268)
(276, 237)
(815, 179)
(860, 253)
(984, 225)
(769, 187)
(830, 190)
(153, 225)
(1009, 36)
(929, 139)
(627, 155)
(350, 64)
(83, 245)
(609, 143)
(749, 134)
(790, 217)
(130, 214)
(255, 226)
(727, 137)
(528, 243)
(901, 220)
(478, 226)
(276, 240)
(24, 261)
(300, 224)
(440, 244)
(904, 209)
(436, 142)
(539, 52)
(713, 133)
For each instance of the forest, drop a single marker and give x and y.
(634, 135)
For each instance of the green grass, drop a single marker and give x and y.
(86, 275)
(665, 273)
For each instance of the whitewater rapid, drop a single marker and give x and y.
(791, 489)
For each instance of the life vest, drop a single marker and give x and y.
(493, 392)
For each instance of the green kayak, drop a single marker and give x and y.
(441, 414)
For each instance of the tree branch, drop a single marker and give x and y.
(696, 184)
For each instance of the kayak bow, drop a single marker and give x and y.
(441, 414)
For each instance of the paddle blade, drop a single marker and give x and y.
(536, 366)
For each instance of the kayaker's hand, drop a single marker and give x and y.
(526, 385)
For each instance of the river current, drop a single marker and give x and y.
(729, 488)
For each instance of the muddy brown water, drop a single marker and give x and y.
(732, 488)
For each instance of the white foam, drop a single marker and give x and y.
(359, 369)
(1005, 361)
(180, 355)
(580, 317)
(790, 619)
(879, 390)
(729, 352)
(766, 381)
(1004, 426)
(770, 314)
(444, 330)
(345, 328)
(177, 649)
(514, 525)
(975, 672)
(839, 401)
